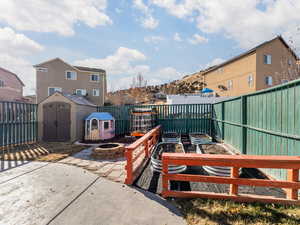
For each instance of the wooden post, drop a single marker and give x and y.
(234, 187)
(165, 183)
(293, 176)
(129, 167)
(146, 146)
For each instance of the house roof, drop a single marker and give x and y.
(250, 52)
(13, 75)
(80, 68)
(100, 116)
(77, 99)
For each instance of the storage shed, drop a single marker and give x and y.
(61, 117)
(99, 126)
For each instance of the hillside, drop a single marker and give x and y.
(156, 94)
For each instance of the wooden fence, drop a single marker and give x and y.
(262, 123)
(138, 152)
(18, 123)
(173, 118)
(290, 163)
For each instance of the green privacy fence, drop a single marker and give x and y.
(262, 123)
(18, 123)
(173, 118)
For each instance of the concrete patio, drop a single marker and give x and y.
(56, 193)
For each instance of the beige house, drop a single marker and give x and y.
(58, 76)
(268, 64)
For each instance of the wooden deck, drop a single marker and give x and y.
(152, 181)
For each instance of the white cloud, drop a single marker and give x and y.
(248, 23)
(154, 39)
(215, 62)
(17, 44)
(58, 16)
(198, 39)
(121, 62)
(147, 21)
(177, 37)
(13, 48)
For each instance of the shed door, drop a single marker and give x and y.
(57, 121)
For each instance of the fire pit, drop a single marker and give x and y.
(200, 138)
(221, 171)
(156, 163)
(171, 137)
(109, 151)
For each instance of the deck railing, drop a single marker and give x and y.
(291, 163)
(137, 153)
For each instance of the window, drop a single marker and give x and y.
(52, 90)
(94, 124)
(94, 78)
(229, 84)
(71, 75)
(106, 125)
(250, 80)
(81, 92)
(290, 62)
(283, 81)
(1, 83)
(267, 59)
(42, 69)
(96, 92)
(269, 80)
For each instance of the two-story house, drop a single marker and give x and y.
(11, 87)
(270, 63)
(56, 75)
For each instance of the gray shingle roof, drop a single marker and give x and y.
(78, 99)
(83, 68)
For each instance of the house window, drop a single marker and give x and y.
(71, 75)
(42, 69)
(96, 92)
(267, 59)
(94, 78)
(283, 81)
(52, 90)
(1, 83)
(229, 84)
(290, 62)
(106, 125)
(250, 80)
(269, 80)
(81, 92)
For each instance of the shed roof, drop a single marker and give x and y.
(100, 116)
(78, 99)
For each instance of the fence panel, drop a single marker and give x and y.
(262, 123)
(18, 123)
(181, 118)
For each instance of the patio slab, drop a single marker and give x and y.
(56, 193)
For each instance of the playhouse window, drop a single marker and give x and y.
(106, 125)
(94, 124)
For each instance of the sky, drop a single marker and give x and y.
(161, 39)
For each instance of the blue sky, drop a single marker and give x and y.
(162, 39)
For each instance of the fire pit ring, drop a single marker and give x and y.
(109, 151)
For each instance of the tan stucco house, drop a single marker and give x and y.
(270, 63)
(56, 75)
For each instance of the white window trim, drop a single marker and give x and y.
(60, 89)
(96, 89)
(95, 81)
(229, 84)
(72, 71)
(250, 80)
(269, 59)
(81, 89)
(42, 69)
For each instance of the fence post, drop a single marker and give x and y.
(234, 187)
(129, 166)
(244, 123)
(293, 175)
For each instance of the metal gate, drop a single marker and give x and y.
(56, 121)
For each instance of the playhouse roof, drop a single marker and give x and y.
(100, 116)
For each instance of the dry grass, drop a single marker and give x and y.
(202, 211)
(39, 151)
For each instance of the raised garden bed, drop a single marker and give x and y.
(171, 137)
(200, 138)
(156, 163)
